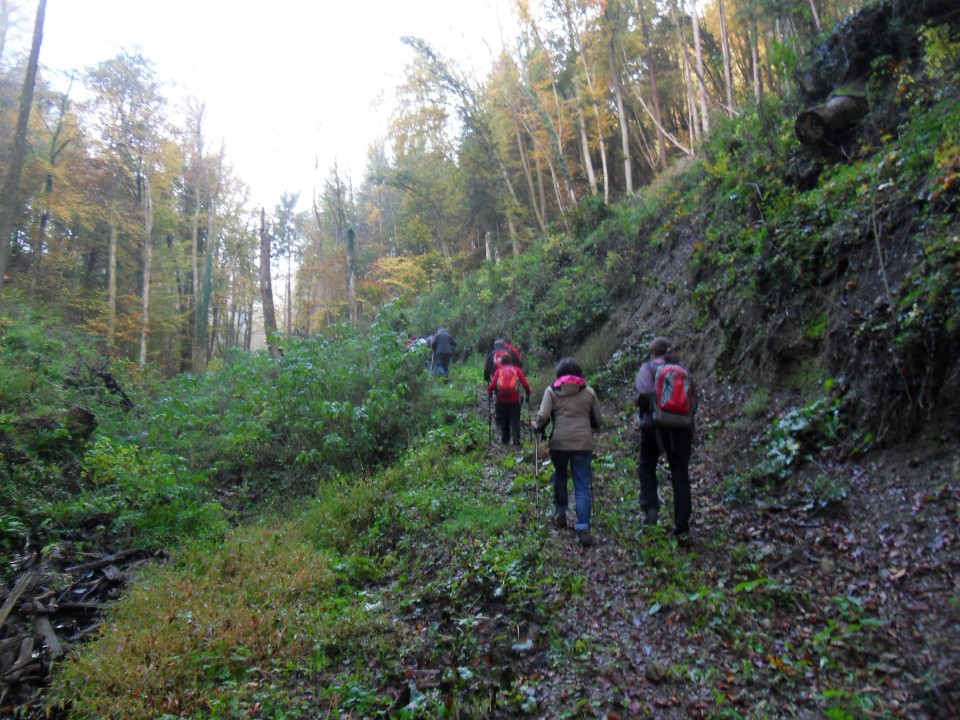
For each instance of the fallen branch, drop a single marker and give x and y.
(25, 581)
(101, 562)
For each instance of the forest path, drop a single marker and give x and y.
(785, 605)
(605, 654)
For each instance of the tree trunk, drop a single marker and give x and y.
(755, 63)
(693, 121)
(825, 122)
(352, 274)
(10, 193)
(654, 90)
(112, 285)
(727, 67)
(266, 288)
(205, 281)
(4, 25)
(147, 266)
(195, 341)
(622, 118)
(816, 15)
(528, 174)
(701, 83)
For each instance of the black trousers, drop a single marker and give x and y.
(508, 420)
(677, 445)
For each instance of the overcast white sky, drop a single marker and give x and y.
(289, 85)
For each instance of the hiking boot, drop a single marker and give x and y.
(683, 539)
(650, 516)
(560, 521)
(584, 538)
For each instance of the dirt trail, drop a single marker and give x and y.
(864, 588)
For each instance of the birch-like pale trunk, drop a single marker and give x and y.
(195, 284)
(755, 62)
(727, 62)
(621, 117)
(266, 288)
(528, 175)
(147, 266)
(693, 122)
(701, 84)
(816, 15)
(112, 284)
(657, 115)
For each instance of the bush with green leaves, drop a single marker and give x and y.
(340, 401)
(145, 498)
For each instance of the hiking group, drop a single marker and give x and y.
(665, 395)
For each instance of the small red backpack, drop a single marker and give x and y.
(673, 405)
(507, 379)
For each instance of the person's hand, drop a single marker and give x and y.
(533, 424)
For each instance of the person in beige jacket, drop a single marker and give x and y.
(574, 409)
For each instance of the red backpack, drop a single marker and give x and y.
(673, 405)
(507, 380)
(498, 356)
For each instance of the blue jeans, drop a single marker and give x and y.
(578, 462)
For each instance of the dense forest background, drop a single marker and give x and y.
(192, 527)
(130, 225)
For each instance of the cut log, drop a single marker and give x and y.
(43, 626)
(825, 122)
(25, 581)
(101, 562)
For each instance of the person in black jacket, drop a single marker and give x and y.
(442, 346)
(495, 358)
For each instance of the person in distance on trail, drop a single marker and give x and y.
(657, 439)
(494, 358)
(507, 382)
(442, 345)
(517, 359)
(574, 409)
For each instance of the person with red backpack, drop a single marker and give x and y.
(512, 349)
(508, 381)
(666, 397)
(495, 358)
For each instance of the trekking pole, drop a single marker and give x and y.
(489, 419)
(536, 471)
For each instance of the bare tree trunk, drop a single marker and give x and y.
(654, 90)
(816, 15)
(693, 122)
(621, 116)
(196, 289)
(266, 288)
(112, 287)
(701, 84)
(147, 266)
(10, 193)
(288, 302)
(528, 174)
(352, 274)
(4, 24)
(727, 71)
(755, 62)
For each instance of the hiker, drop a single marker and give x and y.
(517, 359)
(656, 439)
(507, 382)
(494, 358)
(442, 345)
(575, 412)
